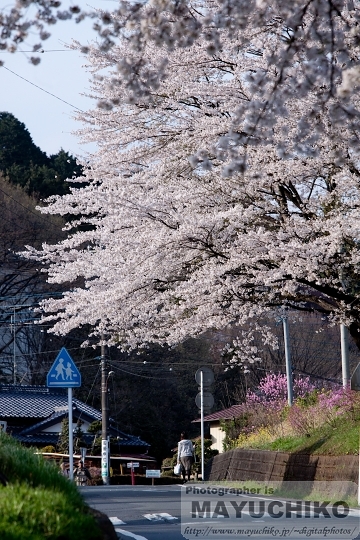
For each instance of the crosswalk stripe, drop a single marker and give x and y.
(116, 521)
(162, 516)
(152, 517)
(167, 517)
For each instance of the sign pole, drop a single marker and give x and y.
(71, 439)
(204, 400)
(64, 374)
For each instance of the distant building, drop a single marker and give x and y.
(213, 420)
(34, 415)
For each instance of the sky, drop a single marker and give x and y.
(61, 73)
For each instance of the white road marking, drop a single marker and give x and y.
(124, 535)
(152, 517)
(167, 517)
(161, 516)
(116, 521)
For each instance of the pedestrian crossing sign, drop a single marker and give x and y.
(63, 373)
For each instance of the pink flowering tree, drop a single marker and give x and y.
(325, 407)
(272, 390)
(313, 406)
(266, 406)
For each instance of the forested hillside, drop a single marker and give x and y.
(26, 165)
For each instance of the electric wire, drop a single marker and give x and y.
(42, 89)
(92, 386)
(114, 366)
(40, 51)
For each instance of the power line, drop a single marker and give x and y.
(37, 52)
(42, 89)
(116, 367)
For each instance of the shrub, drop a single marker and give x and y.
(48, 449)
(233, 428)
(321, 408)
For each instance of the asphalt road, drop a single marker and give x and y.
(154, 513)
(147, 513)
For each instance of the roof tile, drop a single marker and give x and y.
(225, 414)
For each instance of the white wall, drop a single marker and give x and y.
(56, 428)
(217, 437)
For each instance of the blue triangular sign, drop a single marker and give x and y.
(63, 373)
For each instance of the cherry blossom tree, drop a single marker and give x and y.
(23, 18)
(226, 181)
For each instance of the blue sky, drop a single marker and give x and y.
(49, 120)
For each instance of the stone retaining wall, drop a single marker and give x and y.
(266, 466)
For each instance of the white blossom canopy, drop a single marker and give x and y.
(226, 180)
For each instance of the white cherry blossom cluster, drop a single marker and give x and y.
(226, 178)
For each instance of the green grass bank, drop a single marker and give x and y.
(340, 437)
(38, 503)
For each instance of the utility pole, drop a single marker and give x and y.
(13, 325)
(345, 362)
(344, 335)
(288, 360)
(104, 418)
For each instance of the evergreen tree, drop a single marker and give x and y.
(63, 442)
(16, 144)
(78, 437)
(26, 165)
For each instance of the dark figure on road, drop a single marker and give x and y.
(81, 474)
(185, 456)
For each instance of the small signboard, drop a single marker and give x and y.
(153, 473)
(63, 373)
(133, 464)
(208, 400)
(104, 458)
(207, 376)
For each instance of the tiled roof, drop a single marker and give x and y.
(49, 406)
(35, 431)
(41, 438)
(37, 402)
(225, 414)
